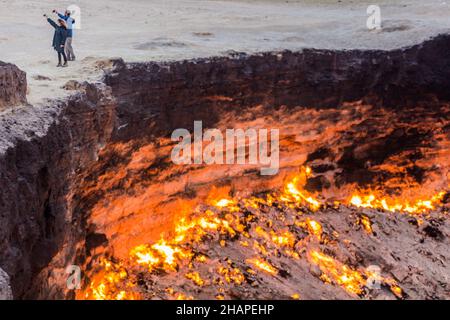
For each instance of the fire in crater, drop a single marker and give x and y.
(283, 229)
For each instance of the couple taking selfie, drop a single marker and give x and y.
(62, 37)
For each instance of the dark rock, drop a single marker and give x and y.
(318, 183)
(320, 153)
(94, 240)
(72, 85)
(322, 168)
(13, 85)
(433, 232)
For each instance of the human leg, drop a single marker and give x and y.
(59, 59)
(69, 49)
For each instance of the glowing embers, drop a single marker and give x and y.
(232, 275)
(283, 239)
(335, 272)
(353, 281)
(366, 223)
(173, 295)
(312, 226)
(226, 203)
(393, 204)
(295, 194)
(263, 234)
(168, 255)
(196, 278)
(159, 256)
(295, 296)
(111, 283)
(262, 265)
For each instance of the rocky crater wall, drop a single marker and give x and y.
(174, 94)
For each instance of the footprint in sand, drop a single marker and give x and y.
(39, 77)
(159, 43)
(203, 34)
(396, 25)
(293, 39)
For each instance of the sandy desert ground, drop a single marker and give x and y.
(139, 30)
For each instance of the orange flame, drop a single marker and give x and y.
(294, 192)
(263, 265)
(224, 220)
(396, 204)
(353, 281)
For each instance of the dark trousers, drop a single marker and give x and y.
(63, 54)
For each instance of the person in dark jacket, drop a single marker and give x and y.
(59, 39)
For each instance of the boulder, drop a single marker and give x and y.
(5, 289)
(13, 85)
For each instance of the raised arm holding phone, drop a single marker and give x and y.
(59, 39)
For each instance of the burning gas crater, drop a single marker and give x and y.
(264, 246)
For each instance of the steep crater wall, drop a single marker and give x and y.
(175, 94)
(43, 157)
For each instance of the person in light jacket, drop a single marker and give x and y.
(59, 39)
(70, 22)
